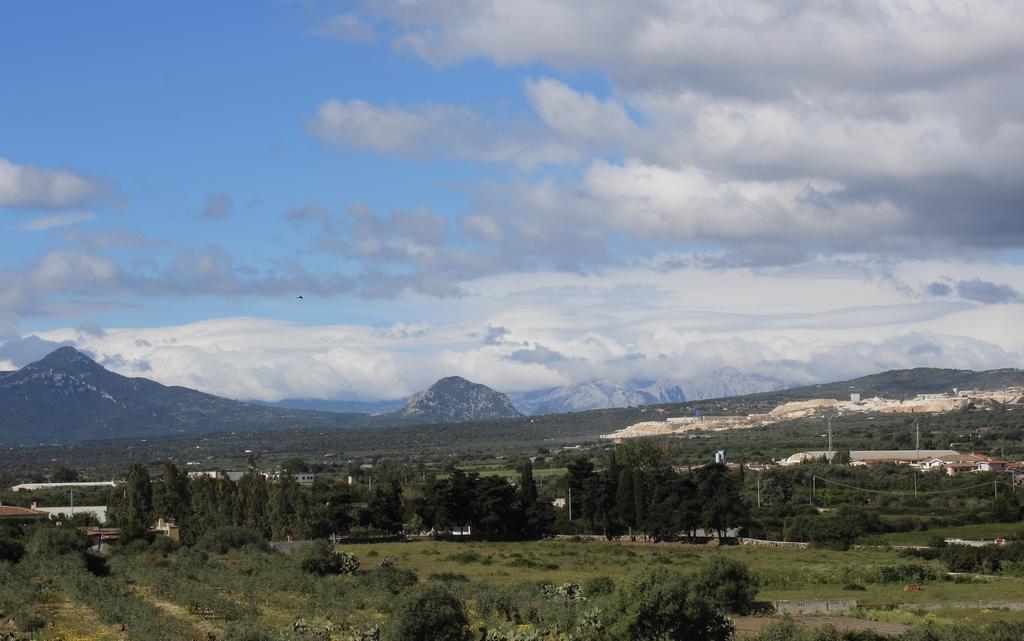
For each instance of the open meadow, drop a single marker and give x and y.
(156, 592)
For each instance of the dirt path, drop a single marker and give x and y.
(196, 622)
(74, 619)
(756, 624)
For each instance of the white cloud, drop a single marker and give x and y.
(51, 221)
(346, 26)
(31, 186)
(580, 117)
(795, 325)
(434, 130)
(729, 45)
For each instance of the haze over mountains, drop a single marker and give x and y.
(605, 393)
(67, 397)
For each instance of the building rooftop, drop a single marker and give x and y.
(13, 511)
(874, 455)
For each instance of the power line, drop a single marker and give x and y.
(900, 493)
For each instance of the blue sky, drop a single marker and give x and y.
(611, 188)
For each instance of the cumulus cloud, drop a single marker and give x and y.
(897, 136)
(434, 130)
(580, 117)
(751, 46)
(230, 356)
(31, 186)
(986, 292)
(218, 207)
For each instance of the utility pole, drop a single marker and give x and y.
(915, 485)
(758, 490)
(72, 502)
(917, 427)
(570, 503)
(814, 488)
(830, 455)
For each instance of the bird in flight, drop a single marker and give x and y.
(301, 298)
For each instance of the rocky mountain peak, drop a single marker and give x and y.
(454, 399)
(67, 359)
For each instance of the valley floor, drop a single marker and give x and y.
(186, 594)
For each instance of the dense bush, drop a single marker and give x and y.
(995, 631)
(320, 558)
(11, 549)
(56, 541)
(221, 540)
(837, 530)
(448, 577)
(727, 584)
(247, 632)
(599, 586)
(987, 559)
(660, 605)
(789, 630)
(428, 613)
(388, 579)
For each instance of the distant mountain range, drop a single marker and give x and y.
(67, 397)
(605, 393)
(320, 405)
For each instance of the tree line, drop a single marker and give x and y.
(634, 491)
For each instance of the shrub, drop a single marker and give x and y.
(391, 579)
(727, 584)
(164, 545)
(247, 632)
(221, 540)
(10, 549)
(429, 613)
(661, 605)
(318, 557)
(599, 586)
(448, 577)
(55, 541)
(30, 623)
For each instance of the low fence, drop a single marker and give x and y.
(773, 544)
(966, 605)
(816, 606)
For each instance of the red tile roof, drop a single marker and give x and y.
(15, 511)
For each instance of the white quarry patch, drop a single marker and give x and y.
(920, 404)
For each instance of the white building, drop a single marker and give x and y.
(28, 487)
(97, 511)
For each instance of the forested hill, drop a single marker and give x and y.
(906, 383)
(67, 397)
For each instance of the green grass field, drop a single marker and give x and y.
(271, 590)
(792, 573)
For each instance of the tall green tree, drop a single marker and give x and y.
(384, 511)
(581, 478)
(625, 500)
(137, 513)
(171, 496)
